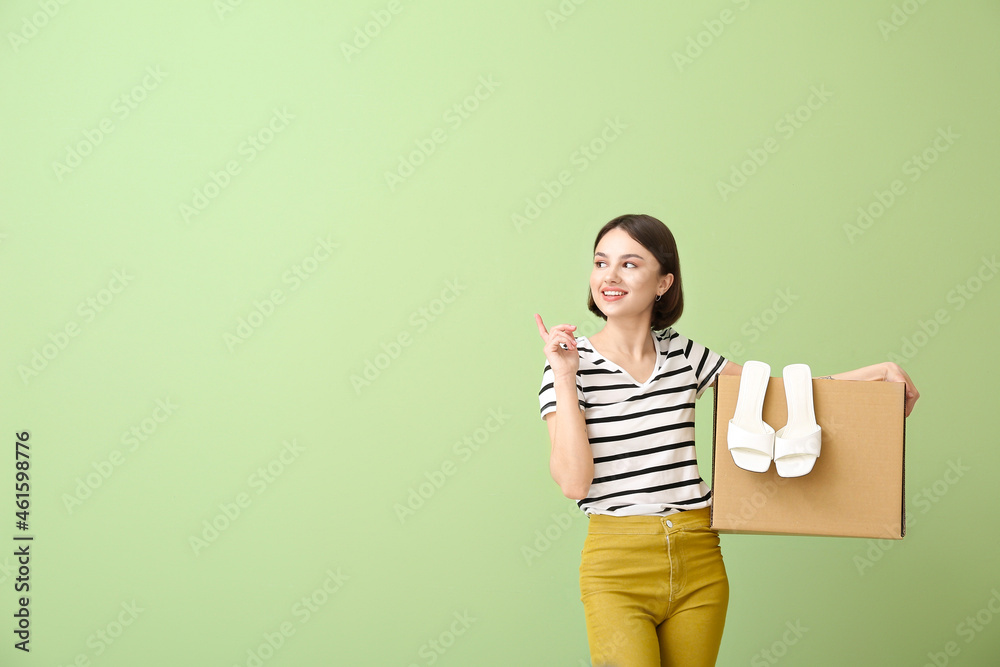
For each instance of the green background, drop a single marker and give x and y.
(432, 288)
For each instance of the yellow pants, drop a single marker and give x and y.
(654, 590)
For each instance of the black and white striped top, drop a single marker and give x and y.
(642, 433)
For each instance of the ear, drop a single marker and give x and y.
(666, 282)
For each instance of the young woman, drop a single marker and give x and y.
(619, 406)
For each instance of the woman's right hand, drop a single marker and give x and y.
(563, 362)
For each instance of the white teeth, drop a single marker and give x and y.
(614, 293)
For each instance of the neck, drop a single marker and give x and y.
(631, 339)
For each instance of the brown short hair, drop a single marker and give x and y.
(655, 237)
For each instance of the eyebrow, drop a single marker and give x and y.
(627, 256)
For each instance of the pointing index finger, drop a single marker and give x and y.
(542, 331)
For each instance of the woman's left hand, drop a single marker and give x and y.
(888, 371)
(893, 373)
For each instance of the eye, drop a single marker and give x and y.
(599, 262)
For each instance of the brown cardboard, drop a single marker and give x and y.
(856, 487)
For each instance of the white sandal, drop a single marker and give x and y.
(750, 438)
(797, 443)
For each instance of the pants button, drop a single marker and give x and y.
(670, 524)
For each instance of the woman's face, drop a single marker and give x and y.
(626, 276)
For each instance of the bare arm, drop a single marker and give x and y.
(886, 371)
(571, 461)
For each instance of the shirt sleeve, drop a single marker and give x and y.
(706, 364)
(547, 394)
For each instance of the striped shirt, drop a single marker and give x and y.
(642, 434)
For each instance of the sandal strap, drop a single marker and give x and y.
(740, 438)
(806, 444)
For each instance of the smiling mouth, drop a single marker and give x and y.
(613, 295)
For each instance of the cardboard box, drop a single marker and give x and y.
(855, 489)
